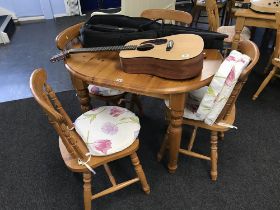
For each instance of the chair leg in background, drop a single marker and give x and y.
(223, 15)
(136, 101)
(109, 174)
(268, 66)
(221, 135)
(214, 155)
(87, 190)
(163, 146)
(192, 138)
(265, 82)
(140, 173)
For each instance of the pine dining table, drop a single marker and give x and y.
(103, 69)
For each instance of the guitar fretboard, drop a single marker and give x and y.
(100, 49)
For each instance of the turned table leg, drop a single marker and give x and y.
(82, 93)
(177, 104)
(238, 29)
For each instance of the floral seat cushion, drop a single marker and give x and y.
(107, 129)
(103, 91)
(206, 103)
(230, 31)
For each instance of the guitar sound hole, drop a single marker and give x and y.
(145, 47)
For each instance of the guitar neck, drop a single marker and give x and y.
(102, 49)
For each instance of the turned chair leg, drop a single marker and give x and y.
(163, 146)
(87, 190)
(192, 138)
(221, 135)
(214, 155)
(136, 101)
(265, 82)
(268, 66)
(140, 173)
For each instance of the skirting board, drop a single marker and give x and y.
(39, 18)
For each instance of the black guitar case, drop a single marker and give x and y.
(110, 30)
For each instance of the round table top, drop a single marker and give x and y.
(103, 68)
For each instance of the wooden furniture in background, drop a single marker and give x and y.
(230, 11)
(104, 69)
(213, 19)
(200, 5)
(274, 58)
(73, 149)
(168, 15)
(247, 17)
(68, 39)
(227, 116)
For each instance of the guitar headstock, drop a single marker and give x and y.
(59, 56)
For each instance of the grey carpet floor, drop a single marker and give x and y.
(33, 175)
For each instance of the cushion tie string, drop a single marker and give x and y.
(226, 125)
(80, 162)
(70, 129)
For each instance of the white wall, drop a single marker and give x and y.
(34, 8)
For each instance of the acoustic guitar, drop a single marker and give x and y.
(262, 6)
(174, 57)
(144, 46)
(181, 61)
(265, 6)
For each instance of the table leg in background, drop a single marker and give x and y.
(82, 93)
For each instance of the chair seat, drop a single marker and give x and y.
(192, 104)
(107, 129)
(218, 126)
(73, 165)
(230, 31)
(103, 91)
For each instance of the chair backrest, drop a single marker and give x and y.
(68, 37)
(168, 15)
(213, 15)
(57, 116)
(249, 48)
(134, 8)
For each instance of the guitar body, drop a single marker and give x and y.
(265, 6)
(183, 61)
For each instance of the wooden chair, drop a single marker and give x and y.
(168, 16)
(274, 60)
(213, 19)
(226, 117)
(200, 5)
(69, 38)
(74, 150)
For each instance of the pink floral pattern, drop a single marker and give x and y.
(231, 77)
(116, 111)
(103, 145)
(94, 89)
(230, 58)
(109, 128)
